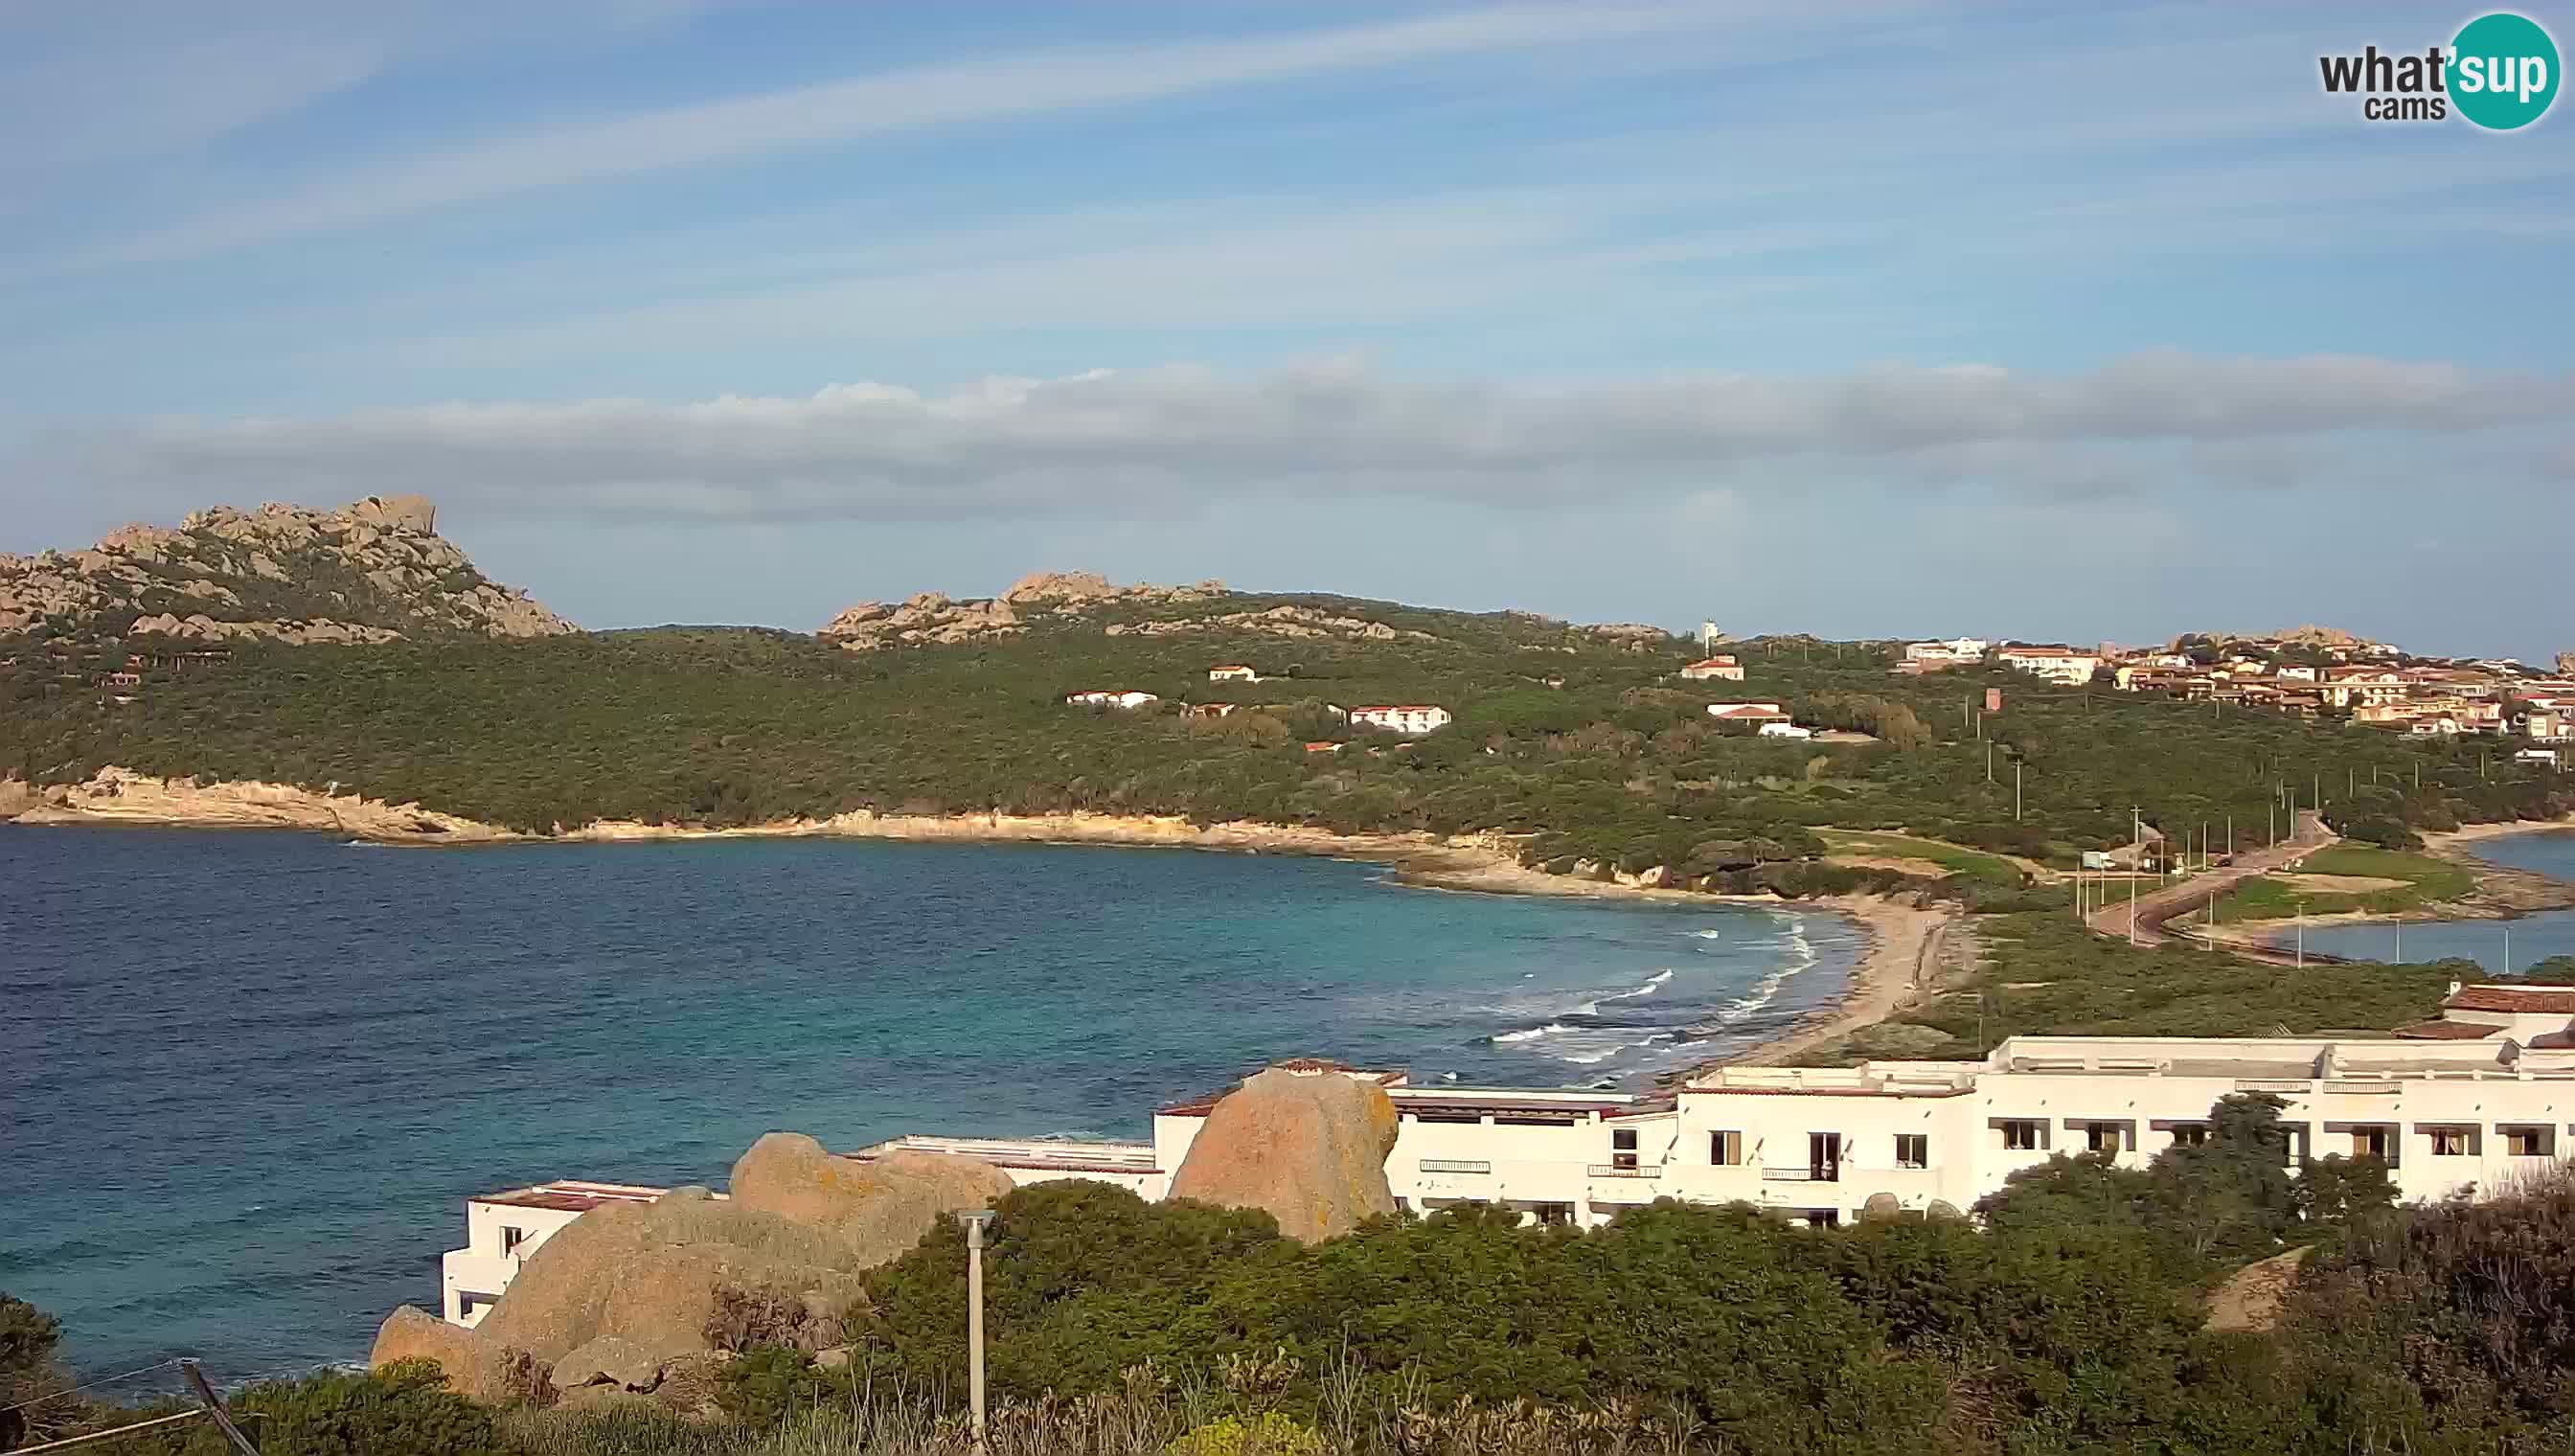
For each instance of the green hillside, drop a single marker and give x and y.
(1588, 743)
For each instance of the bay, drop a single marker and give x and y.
(2533, 938)
(249, 1077)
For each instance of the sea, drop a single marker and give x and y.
(2499, 946)
(249, 1077)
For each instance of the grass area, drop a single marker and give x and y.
(2428, 881)
(1958, 859)
(2044, 974)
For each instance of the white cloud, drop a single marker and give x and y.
(1160, 443)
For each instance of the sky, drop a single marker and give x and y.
(1910, 318)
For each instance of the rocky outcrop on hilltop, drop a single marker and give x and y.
(1291, 622)
(373, 570)
(1635, 636)
(636, 1297)
(1304, 1142)
(2566, 664)
(935, 616)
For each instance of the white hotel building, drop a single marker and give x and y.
(2459, 1105)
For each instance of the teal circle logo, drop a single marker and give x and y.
(2503, 71)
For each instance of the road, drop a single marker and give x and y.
(2154, 907)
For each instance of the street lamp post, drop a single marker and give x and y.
(975, 1221)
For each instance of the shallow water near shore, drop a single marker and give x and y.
(249, 1077)
(2533, 938)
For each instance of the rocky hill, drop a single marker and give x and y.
(373, 570)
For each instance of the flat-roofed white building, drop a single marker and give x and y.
(502, 1230)
(1411, 719)
(2457, 1107)
(2056, 664)
(1954, 650)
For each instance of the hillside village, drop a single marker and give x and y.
(2313, 673)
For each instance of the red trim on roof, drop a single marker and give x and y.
(2512, 998)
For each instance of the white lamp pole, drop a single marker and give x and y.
(974, 1223)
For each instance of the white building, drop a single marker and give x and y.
(1956, 649)
(1411, 719)
(502, 1230)
(1785, 731)
(1721, 665)
(2460, 1105)
(1233, 673)
(2056, 664)
(1106, 697)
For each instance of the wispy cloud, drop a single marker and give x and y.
(958, 93)
(1149, 442)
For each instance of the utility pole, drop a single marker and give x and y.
(2303, 934)
(975, 1221)
(2015, 791)
(1989, 761)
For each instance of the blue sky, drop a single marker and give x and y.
(1878, 318)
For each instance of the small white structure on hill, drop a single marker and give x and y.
(1721, 665)
(1414, 720)
(1233, 673)
(1956, 649)
(1108, 698)
(1785, 731)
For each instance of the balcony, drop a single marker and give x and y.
(1802, 1175)
(1621, 1170)
(1454, 1165)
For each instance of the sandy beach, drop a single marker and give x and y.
(1901, 962)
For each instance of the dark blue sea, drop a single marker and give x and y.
(2498, 946)
(249, 1077)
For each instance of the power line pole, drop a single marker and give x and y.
(2015, 791)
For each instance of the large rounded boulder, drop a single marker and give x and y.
(1307, 1147)
(878, 1209)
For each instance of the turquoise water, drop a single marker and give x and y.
(2532, 937)
(249, 1077)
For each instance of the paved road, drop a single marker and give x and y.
(2154, 907)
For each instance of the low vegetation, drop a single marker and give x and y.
(2421, 882)
(2071, 1320)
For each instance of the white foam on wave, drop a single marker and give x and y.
(1552, 1028)
(1595, 1055)
(1802, 958)
(1652, 983)
(1709, 935)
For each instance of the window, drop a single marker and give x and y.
(2449, 1143)
(511, 1239)
(1912, 1150)
(2529, 1142)
(2022, 1134)
(1725, 1149)
(1622, 1148)
(2369, 1142)
(1554, 1215)
(2190, 1134)
(1823, 1218)
(2104, 1137)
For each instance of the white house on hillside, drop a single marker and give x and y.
(1414, 719)
(2054, 663)
(1106, 697)
(1233, 673)
(1721, 665)
(502, 1230)
(1954, 650)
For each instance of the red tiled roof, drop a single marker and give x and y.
(2531, 999)
(2447, 1032)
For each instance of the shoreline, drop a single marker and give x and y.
(1897, 968)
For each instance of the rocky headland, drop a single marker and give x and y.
(373, 570)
